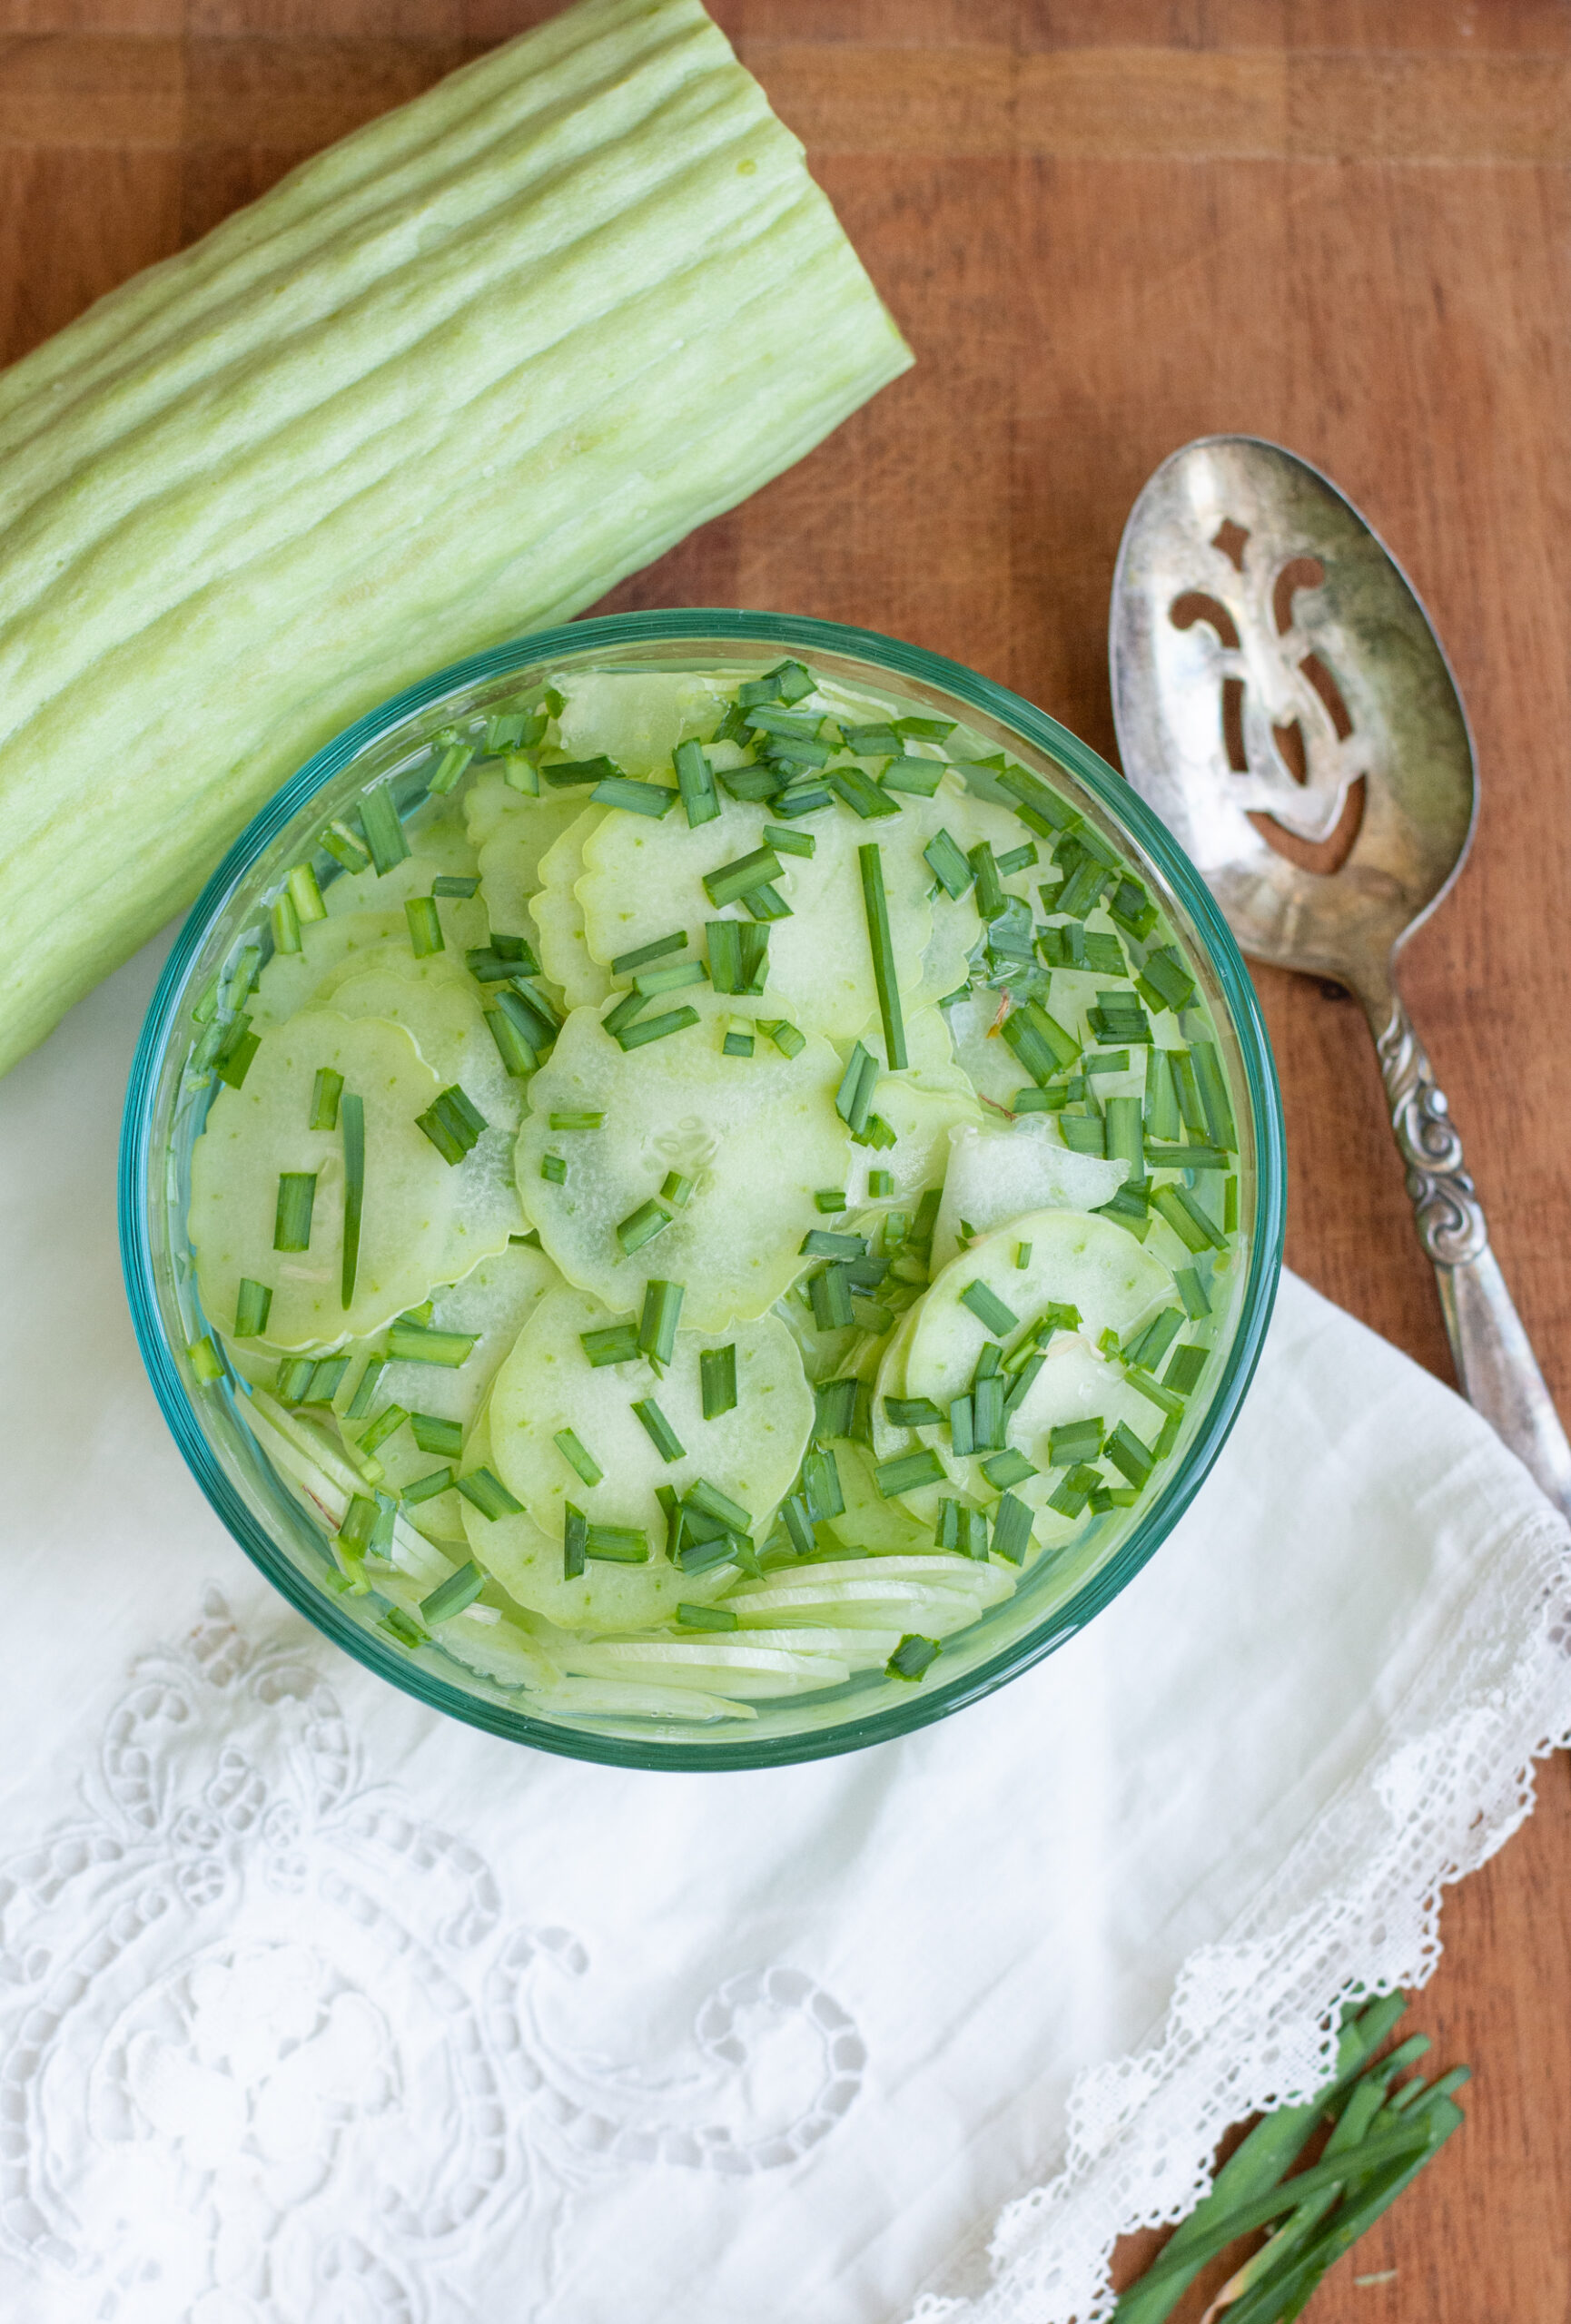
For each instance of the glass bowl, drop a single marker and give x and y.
(165, 1112)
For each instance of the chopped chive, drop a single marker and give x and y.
(427, 1488)
(714, 1503)
(522, 773)
(1185, 1366)
(881, 943)
(1165, 1399)
(502, 958)
(530, 1014)
(820, 1242)
(456, 754)
(657, 1324)
(789, 842)
(292, 1220)
(1075, 1489)
(655, 1028)
(796, 725)
(575, 774)
(877, 741)
(821, 1485)
(987, 1422)
(658, 1429)
(1023, 1254)
(636, 798)
(738, 955)
(1107, 1496)
(912, 1656)
(642, 1225)
(948, 865)
(1012, 1530)
(880, 1185)
(695, 784)
(1147, 1347)
(677, 1190)
(908, 1472)
(582, 1463)
(625, 963)
(860, 793)
(451, 1596)
(453, 1123)
(355, 1534)
(705, 1618)
(387, 1423)
(732, 881)
(738, 1040)
(988, 1308)
(293, 1382)
(919, 777)
(912, 1412)
(766, 903)
(829, 1201)
(425, 926)
(1024, 1380)
(756, 784)
(1231, 1207)
(700, 1557)
(454, 884)
(1008, 1468)
(830, 1293)
(339, 842)
(286, 924)
(1188, 1220)
(384, 834)
(417, 1344)
(577, 1121)
(804, 798)
(575, 1542)
(1043, 1047)
(553, 1170)
(1192, 1291)
(326, 1091)
(946, 1533)
(517, 1056)
(717, 1380)
(206, 1360)
(853, 1098)
(1128, 1454)
(617, 1343)
(401, 1628)
(1018, 858)
(431, 1434)
(1075, 1441)
(624, 1010)
(237, 1046)
(787, 1037)
(251, 1306)
(305, 895)
(354, 1116)
(1180, 1064)
(1162, 1122)
(1184, 1157)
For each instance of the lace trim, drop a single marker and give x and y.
(1355, 1907)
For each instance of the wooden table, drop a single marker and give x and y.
(1108, 226)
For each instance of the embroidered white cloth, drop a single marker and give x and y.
(317, 2009)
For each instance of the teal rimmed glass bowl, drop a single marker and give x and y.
(165, 1113)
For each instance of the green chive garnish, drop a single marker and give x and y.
(625, 963)
(354, 1116)
(1185, 1366)
(738, 955)
(583, 1465)
(655, 1028)
(575, 1542)
(415, 1343)
(948, 865)
(714, 1503)
(453, 1125)
(384, 834)
(881, 943)
(829, 1201)
(1188, 1220)
(907, 1473)
(717, 1380)
(326, 1091)
(853, 1098)
(1008, 1468)
(830, 1293)
(696, 783)
(1012, 1530)
(427, 1488)
(819, 1242)
(487, 1493)
(617, 1343)
(1231, 1207)
(401, 1628)
(553, 1170)
(251, 1304)
(657, 1324)
(517, 1052)
(1192, 1291)
(1125, 1451)
(658, 1429)
(912, 1656)
(617, 1544)
(425, 926)
(651, 799)
(451, 1596)
(577, 1121)
(1074, 1442)
(962, 1428)
(292, 1220)
(442, 1437)
(921, 777)
(988, 1308)
(733, 880)
(206, 1360)
(576, 774)
(642, 1225)
(788, 842)
(454, 884)
(387, 1423)
(912, 1412)
(1148, 1346)
(766, 903)
(739, 1039)
(860, 792)
(705, 1618)
(788, 1039)
(339, 842)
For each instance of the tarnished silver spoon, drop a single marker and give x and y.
(1283, 703)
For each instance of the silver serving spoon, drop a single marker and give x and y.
(1285, 705)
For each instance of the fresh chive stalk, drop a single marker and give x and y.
(453, 1125)
(642, 1225)
(907, 1473)
(445, 1438)
(695, 784)
(326, 1091)
(989, 1308)
(881, 943)
(617, 1343)
(717, 1380)
(292, 1218)
(635, 798)
(856, 788)
(384, 834)
(656, 1028)
(427, 1488)
(425, 926)
(853, 1098)
(451, 1596)
(387, 1423)
(418, 1344)
(206, 1360)
(787, 1039)
(912, 1656)
(705, 1618)
(733, 880)
(738, 1040)
(579, 775)
(628, 963)
(251, 1304)
(286, 924)
(575, 1542)
(353, 1118)
(582, 1463)
(658, 1430)
(657, 1324)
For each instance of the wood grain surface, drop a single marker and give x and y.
(1107, 226)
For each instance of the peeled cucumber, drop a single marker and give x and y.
(443, 385)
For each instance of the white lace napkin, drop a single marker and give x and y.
(317, 2009)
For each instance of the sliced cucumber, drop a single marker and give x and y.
(443, 1017)
(637, 717)
(997, 1175)
(500, 1650)
(547, 1384)
(757, 1135)
(490, 801)
(559, 915)
(626, 1698)
(643, 878)
(923, 1119)
(870, 1600)
(731, 1666)
(512, 854)
(335, 947)
(1084, 1263)
(424, 1221)
(868, 1522)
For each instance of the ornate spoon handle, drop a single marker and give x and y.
(1494, 1360)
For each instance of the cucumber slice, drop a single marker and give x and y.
(547, 1384)
(888, 1528)
(490, 801)
(527, 1563)
(989, 1063)
(643, 878)
(619, 1698)
(728, 1665)
(923, 1120)
(1085, 1263)
(438, 845)
(500, 1650)
(424, 1221)
(558, 916)
(335, 947)
(443, 1017)
(872, 1604)
(758, 1135)
(637, 717)
(994, 1175)
(301, 1452)
(512, 854)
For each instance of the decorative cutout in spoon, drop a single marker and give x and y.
(1283, 703)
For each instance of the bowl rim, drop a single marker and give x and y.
(744, 629)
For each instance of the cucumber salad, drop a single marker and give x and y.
(709, 1186)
